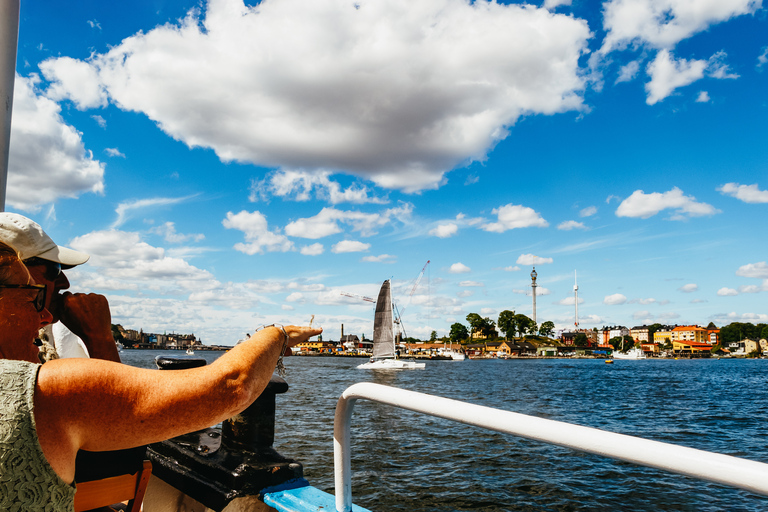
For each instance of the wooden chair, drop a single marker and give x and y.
(94, 494)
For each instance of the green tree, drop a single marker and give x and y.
(459, 332)
(475, 321)
(488, 328)
(581, 340)
(506, 323)
(547, 329)
(523, 324)
(433, 337)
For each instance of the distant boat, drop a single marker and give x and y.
(384, 353)
(190, 352)
(455, 355)
(633, 353)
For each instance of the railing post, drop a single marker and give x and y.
(342, 457)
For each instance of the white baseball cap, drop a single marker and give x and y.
(30, 241)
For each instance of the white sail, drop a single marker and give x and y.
(383, 325)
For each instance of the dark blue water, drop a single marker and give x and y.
(406, 461)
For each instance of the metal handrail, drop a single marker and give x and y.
(714, 467)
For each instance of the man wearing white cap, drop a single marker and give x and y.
(81, 324)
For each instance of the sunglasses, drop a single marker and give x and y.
(39, 300)
(52, 268)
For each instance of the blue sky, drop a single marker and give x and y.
(229, 165)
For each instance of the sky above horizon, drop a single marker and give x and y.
(229, 164)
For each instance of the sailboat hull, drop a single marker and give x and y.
(391, 364)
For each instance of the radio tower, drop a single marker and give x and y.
(576, 296)
(533, 288)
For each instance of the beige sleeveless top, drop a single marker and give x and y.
(27, 481)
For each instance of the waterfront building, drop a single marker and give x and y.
(693, 347)
(662, 337)
(608, 333)
(640, 333)
(651, 348)
(692, 333)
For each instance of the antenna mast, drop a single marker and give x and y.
(533, 289)
(576, 299)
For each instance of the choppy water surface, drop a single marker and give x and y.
(406, 461)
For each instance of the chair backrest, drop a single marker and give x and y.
(108, 491)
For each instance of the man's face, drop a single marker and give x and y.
(19, 318)
(49, 273)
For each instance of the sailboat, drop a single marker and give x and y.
(384, 354)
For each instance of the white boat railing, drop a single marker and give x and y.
(714, 467)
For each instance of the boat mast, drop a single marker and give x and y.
(9, 39)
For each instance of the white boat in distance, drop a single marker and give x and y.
(633, 353)
(384, 354)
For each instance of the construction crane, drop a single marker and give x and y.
(413, 290)
(356, 296)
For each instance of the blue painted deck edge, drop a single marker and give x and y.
(295, 497)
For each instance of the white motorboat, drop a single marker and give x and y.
(633, 353)
(384, 353)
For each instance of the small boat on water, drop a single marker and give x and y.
(633, 353)
(384, 353)
(190, 352)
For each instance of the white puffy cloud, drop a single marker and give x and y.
(513, 216)
(299, 185)
(258, 237)
(668, 74)
(313, 249)
(532, 259)
(588, 211)
(689, 288)
(552, 4)
(628, 72)
(444, 230)
(664, 23)
(459, 268)
(746, 193)
(47, 158)
(295, 297)
(569, 225)
(762, 59)
(327, 222)
(382, 258)
(643, 205)
(568, 301)
(757, 270)
(350, 246)
(124, 256)
(727, 292)
(512, 269)
(615, 299)
(393, 91)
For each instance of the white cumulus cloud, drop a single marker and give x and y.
(459, 268)
(689, 288)
(643, 205)
(47, 158)
(746, 193)
(444, 230)
(514, 216)
(668, 74)
(313, 249)
(350, 246)
(568, 225)
(532, 259)
(258, 237)
(727, 292)
(664, 23)
(397, 92)
(757, 270)
(615, 299)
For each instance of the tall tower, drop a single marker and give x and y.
(576, 297)
(533, 288)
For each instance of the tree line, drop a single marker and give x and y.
(509, 324)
